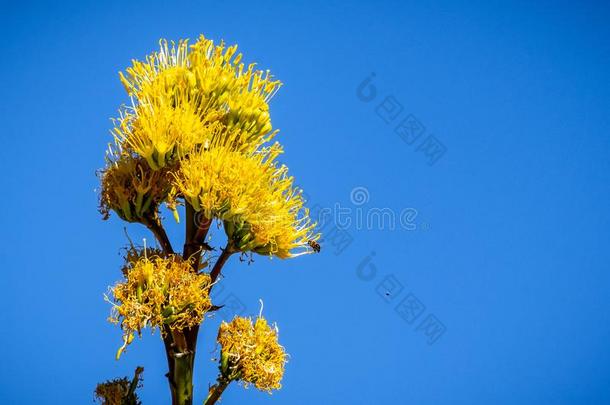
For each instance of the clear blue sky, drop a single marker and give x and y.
(505, 254)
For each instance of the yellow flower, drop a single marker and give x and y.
(261, 210)
(131, 188)
(167, 69)
(161, 132)
(159, 291)
(201, 114)
(251, 353)
(242, 94)
(181, 99)
(279, 224)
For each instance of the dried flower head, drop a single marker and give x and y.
(251, 353)
(159, 291)
(112, 392)
(120, 391)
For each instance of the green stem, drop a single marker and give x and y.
(180, 351)
(180, 346)
(183, 377)
(131, 398)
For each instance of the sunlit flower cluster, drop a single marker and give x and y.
(131, 189)
(159, 291)
(197, 133)
(250, 353)
(261, 210)
(198, 130)
(182, 98)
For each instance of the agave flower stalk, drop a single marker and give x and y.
(197, 135)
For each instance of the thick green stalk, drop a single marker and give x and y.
(180, 351)
(183, 377)
(180, 346)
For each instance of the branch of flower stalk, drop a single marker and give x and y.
(216, 390)
(224, 256)
(196, 232)
(154, 225)
(134, 383)
(202, 230)
(190, 229)
(199, 244)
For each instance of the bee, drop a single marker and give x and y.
(314, 245)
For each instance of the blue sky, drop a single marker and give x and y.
(493, 288)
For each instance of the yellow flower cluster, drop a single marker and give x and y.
(196, 131)
(183, 99)
(261, 210)
(131, 189)
(251, 353)
(159, 291)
